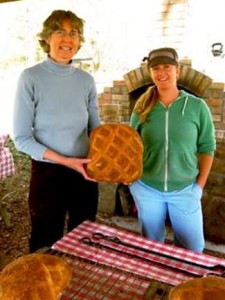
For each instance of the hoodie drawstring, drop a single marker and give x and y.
(185, 103)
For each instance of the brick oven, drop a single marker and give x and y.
(116, 103)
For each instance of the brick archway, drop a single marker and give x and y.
(189, 79)
(116, 102)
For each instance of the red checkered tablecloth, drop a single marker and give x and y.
(72, 244)
(7, 167)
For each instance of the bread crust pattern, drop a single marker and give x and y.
(116, 152)
(206, 288)
(34, 276)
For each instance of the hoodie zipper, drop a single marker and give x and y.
(166, 149)
(167, 140)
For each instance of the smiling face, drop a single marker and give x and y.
(165, 75)
(64, 43)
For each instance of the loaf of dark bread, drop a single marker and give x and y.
(116, 152)
(34, 276)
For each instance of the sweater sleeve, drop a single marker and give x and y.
(94, 119)
(23, 118)
(206, 139)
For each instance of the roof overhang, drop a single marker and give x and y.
(3, 1)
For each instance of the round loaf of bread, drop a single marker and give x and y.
(34, 276)
(206, 288)
(116, 152)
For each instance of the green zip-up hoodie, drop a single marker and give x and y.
(173, 137)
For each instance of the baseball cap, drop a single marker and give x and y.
(162, 56)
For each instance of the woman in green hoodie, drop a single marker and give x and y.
(179, 143)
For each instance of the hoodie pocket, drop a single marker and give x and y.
(181, 168)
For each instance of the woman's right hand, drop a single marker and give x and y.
(77, 164)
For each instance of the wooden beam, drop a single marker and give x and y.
(3, 1)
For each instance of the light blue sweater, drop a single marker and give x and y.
(55, 107)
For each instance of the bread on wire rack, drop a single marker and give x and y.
(35, 276)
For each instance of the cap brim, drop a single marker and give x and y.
(162, 60)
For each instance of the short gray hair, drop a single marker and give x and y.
(53, 23)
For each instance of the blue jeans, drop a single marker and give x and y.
(184, 210)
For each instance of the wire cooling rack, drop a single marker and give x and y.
(95, 281)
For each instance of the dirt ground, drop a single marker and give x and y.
(14, 216)
(15, 227)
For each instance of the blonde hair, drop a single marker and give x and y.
(146, 103)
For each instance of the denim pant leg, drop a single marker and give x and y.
(184, 209)
(152, 210)
(186, 217)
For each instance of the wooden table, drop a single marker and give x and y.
(107, 270)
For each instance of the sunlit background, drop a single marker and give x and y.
(116, 33)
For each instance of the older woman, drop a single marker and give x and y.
(55, 110)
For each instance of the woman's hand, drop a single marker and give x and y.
(77, 164)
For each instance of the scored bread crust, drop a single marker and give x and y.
(205, 288)
(34, 276)
(116, 152)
